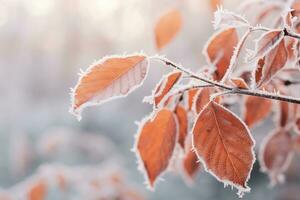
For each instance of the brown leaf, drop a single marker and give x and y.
(220, 49)
(256, 110)
(191, 97)
(183, 124)
(240, 83)
(167, 27)
(247, 77)
(190, 164)
(165, 86)
(111, 77)
(258, 71)
(275, 154)
(190, 161)
(267, 42)
(224, 145)
(274, 61)
(202, 99)
(156, 142)
(37, 191)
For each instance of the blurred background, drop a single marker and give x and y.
(43, 44)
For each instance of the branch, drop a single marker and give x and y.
(231, 90)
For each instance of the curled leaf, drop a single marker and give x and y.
(190, 164)
(256, 110)
(182, 118)
(191, 97)
(225, 19)
(275, 154)
(274, 61)
(224, 145)
(165, 86)
(155, 143)
(202, 99)
(190, 161)
(258, 71)
(220, 49)
(267, 42)
(167, 27)
(111, 77)
(239, 83)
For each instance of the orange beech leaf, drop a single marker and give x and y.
(190, 164)
(38, 191)
(183, 124)
(165, 86)
(220, 49)
(267, 42)
(274, 61)
(191, 97)
(167, 27)
(224, 145)
(111, 77)
(275, 154)
(256, 109)
(258, 71)
(239, 83)
(190, 160)
(202, 99)
(156, 142)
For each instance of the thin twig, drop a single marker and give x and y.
(183, 90)
(291, 34)
(232, 90)
(191, 74)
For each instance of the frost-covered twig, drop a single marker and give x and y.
(233, 90)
